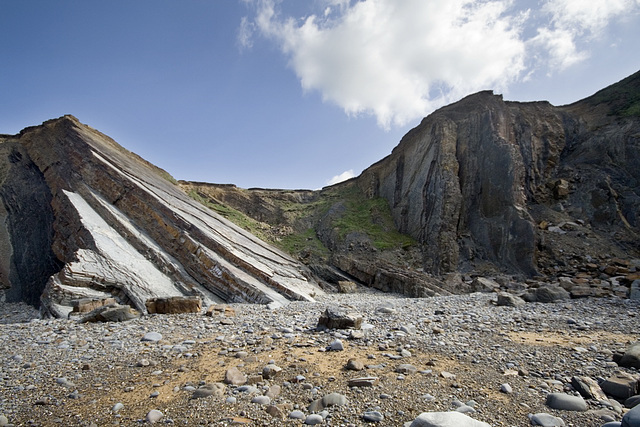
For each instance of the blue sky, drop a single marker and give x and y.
(292, 94)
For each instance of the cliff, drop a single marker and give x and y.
(81, 217)
(473, 182)
(480, 187)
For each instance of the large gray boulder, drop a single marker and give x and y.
(631, 357)
(546, 293)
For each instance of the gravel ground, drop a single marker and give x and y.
(463, 349)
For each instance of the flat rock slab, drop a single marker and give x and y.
(620, 385)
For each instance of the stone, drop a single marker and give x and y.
(336, 345)
(363, 382)
(545, 420)
(347, 287)
(4, 421)
(354, 365)
(546, 294)
(509, 300)
(111, 313)
(632, 418)
(117, 407)
(372, 416)
(270, 371)
(634, 290)
(620, 385)
(220, 310)
(506, 388)
(86, 305)
(632, 401)
(206, 390)
(273, 392)
(631, 357)
(234, 376)
(339, 318)
(153, 416)
(296, 415)
(152, 336)
(445, 419)
(261, 400)
(174, 305)
(483, 284)
(313, 419)
(275, 412)
(406, 368)
(588, 388)
(331, 399)
(566, 402)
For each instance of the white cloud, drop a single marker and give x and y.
(572, 21)
(245, 33)
(400, 59)
(342, 177)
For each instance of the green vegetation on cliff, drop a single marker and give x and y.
(238, 218)
(370, 216)
(623, 97)
(292, 223)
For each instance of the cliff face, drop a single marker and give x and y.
(82, 217)
(474, 180)
(483, 186)
(480, 186)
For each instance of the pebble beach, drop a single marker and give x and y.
(250, 365)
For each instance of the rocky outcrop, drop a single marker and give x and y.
(93, 220)
(474, 179)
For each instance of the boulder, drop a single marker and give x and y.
(631, 357)
(220, 310)
(566, 402)
(483, 284)
(546, 293)
(111, 313)
(545, 420)
(347, 287)
(509, 300)
(233, 376)
(174, 305)
(620, 385)
(588, 388)
(339, 318)
(632, 418)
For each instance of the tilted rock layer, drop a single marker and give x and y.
(81, 217)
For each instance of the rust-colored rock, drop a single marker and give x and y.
(174, 305)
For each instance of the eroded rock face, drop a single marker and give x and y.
(474, 179)
(95, 221)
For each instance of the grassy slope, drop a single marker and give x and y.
(369, 216)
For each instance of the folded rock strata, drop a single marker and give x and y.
(81, 217)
